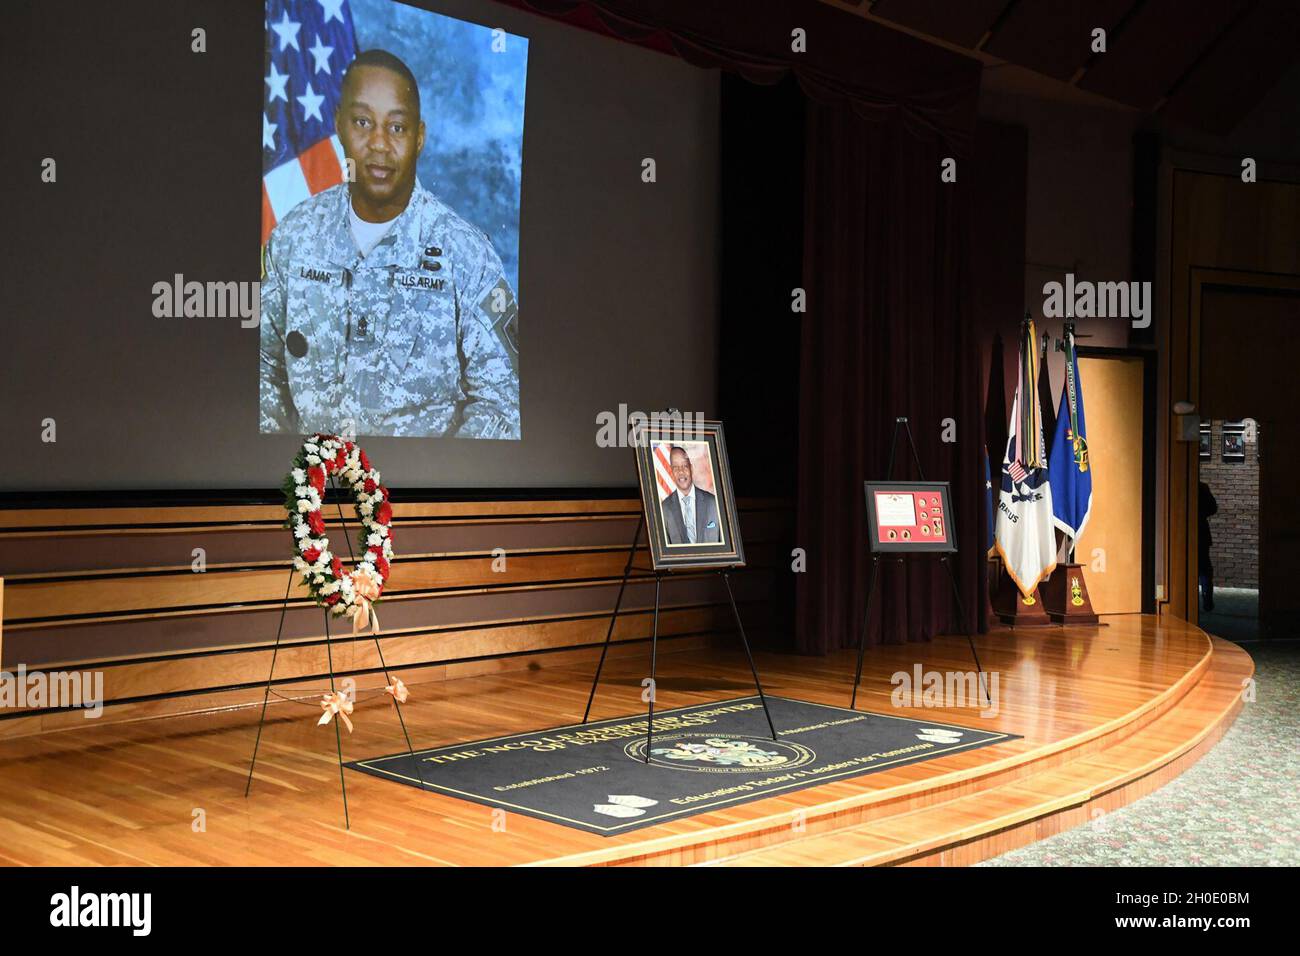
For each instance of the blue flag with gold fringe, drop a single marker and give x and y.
(1070, 468)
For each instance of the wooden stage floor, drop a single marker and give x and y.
(1106, 715)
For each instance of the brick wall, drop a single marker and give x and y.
(1236, 527)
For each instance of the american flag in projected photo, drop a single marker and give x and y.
(309, 44)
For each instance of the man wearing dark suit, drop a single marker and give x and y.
(690, 513)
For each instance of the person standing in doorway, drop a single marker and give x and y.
(1205, 507)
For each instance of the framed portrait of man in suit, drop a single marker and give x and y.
(690, 509)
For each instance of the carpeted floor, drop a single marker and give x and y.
(1235, 615)
(1236, 807)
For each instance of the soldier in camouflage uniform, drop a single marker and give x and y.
(415, 337)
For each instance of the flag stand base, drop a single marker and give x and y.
(1016, 610)
(1066, 598)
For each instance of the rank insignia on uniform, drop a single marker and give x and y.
(432, 251)
(363, 327)
(431, 266)
(296, 343)
(499, 312)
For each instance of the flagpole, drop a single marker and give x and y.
(1070, 366)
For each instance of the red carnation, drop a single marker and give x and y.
(316, 523)
(382, 566)
(384, 513)
(337, 565)
(348, 446)
(376, 549)
(365, 461)
(316, 478)
(370, 486)
(333, 598)
(310, 555)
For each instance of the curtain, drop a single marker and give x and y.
(876, 72)
(885, 268)
(887, 334)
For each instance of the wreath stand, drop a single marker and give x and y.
(338, 734)
(659, 575)
(875, 569)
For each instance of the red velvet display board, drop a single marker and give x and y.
(910, 516)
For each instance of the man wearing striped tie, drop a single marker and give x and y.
(690, 513)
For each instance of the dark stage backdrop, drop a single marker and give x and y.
(886, 248)
(888, 335)
(159, 172)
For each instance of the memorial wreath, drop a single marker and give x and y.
(352, 592)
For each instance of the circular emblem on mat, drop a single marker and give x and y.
(352, 592)
(721, 753)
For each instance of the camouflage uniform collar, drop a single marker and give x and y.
(401, 246)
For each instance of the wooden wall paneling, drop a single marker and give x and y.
(307, 661)
(122, 597)
(1113, 403)
(1221, 224)
(160, 591)
(131, 637)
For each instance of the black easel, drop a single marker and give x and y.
(329, 653)
(654, 638)
(875, 568)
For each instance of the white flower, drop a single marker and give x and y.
(300, 530)
(301, 491)
(311, 448)
(299, 476)
(373, 539)
(304, 506)
(365, 508)
(313, 459)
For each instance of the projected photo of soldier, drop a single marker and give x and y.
(382, 308)
(690, 512)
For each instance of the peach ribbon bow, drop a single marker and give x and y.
(335, 704)
(398, 690)
(363, 612)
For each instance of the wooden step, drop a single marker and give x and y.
(974, 827)
(861, 803)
